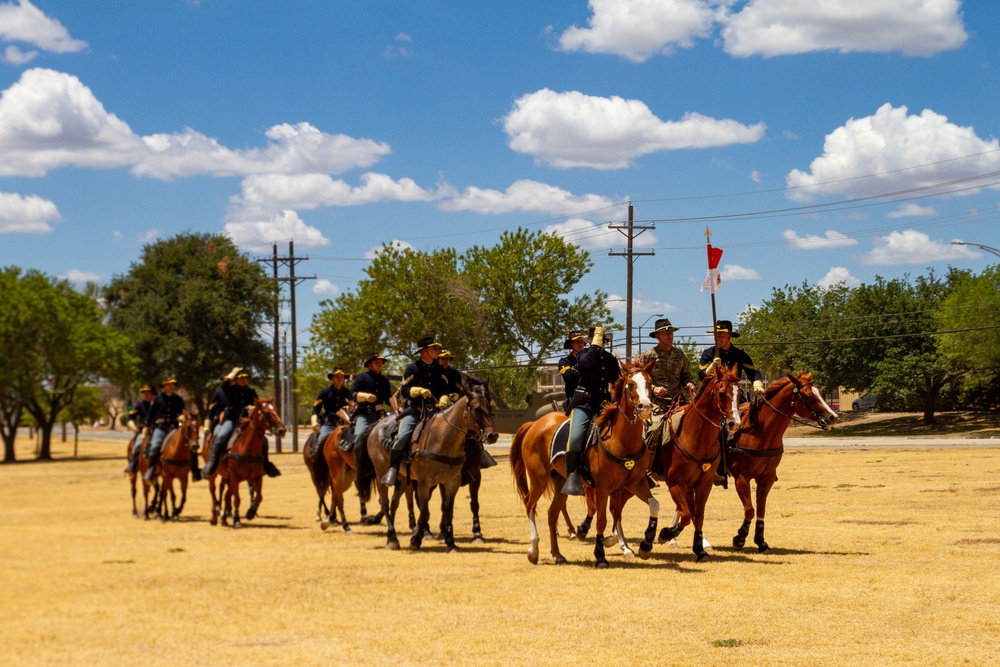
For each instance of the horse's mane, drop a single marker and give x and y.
(607, 414)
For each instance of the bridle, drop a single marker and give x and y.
(821, 423)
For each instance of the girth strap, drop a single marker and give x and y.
(175, 462)
(245, 459)
(446, 460)
(706, 464)
(627, 463)
(758, 453)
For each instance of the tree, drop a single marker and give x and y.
(88, 405)
(192, 308)
(54, 340)
(971, 309)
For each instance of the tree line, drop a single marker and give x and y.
(927, 343)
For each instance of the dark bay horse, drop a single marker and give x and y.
(690, 460)
(436, 459)
(617, 464)
(246, 457)
(138, 441)
(760, 447)
(179, 456)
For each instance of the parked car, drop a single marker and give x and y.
(866, 402)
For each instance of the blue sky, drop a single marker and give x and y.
(781, 124)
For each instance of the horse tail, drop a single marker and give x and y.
(517, 466)
(320, 470)
(364, 474)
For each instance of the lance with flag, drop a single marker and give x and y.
(713, 280)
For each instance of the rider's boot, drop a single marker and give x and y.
(720, 478)
(154, 458)
(467, 477)
(573, 485)
(389, 478)
(347, 440)
(488, 460)
(133, 459)
(213, 461)
(270, 469)
(195, 469)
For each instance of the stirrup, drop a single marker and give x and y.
(573, 487)
(389, 478)
(488, 461)
(271, 470)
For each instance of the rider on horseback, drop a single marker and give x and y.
(736, 359)
(670, 375)
(333, 402)
(567, 365)
(239, 397)
(598, 370)
(455, 389)
(426, 387)
(216, 407)
(370, 390)
(162, 418)
(137, 416)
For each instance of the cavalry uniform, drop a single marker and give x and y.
(598, 369)
(671, 371)
(215, 408)
(423, 386)
(456, 388)
(370, 390)
(135, 422)
(239, 397)
(331, 401)
(567, 365)
(161, 419)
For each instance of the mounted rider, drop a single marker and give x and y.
(599, 369)
(567, 365)
(216, 407)
(456, 389)
(670, 376)
(370, 391)
(426, 388)
(135, 421)
(331, 405)
(162, 418)
(735, 359)
(239, 397)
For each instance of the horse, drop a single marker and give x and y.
(690, 461)
(619, 463)
(322, 463)
(221, 473)
(759, 449)
(437, 460)
(246, 460)
(138, 441)
(179, 457)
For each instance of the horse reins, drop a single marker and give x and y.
(820, 423)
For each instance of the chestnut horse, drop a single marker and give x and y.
(138, 441)
(331, 463)
(246, 457)
(617, 464)
(178, 459)
(691, 458)
(437, 459)
(221, 474)
(760, 447)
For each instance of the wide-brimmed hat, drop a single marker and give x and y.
(242, 374)
(145, 388)
(374, 356)
(662, 325)
(572, 336)
(725, 326)
(170, 379)
(427, 341)
(329, 376)
(445, 354)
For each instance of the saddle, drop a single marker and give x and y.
(560, 442)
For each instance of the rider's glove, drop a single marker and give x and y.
(443, 402)
(314, 421)
(598, 339)
(365, 397)
(758, 386)
(132, 427)
(420, 392)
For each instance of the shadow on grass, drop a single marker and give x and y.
(875, 424)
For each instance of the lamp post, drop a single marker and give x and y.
(644, 324)
(989, 249)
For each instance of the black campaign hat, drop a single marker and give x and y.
(725, 326)
(427, 341)
(329, 376)
(662, 325)
(572, 336)
(374, 356)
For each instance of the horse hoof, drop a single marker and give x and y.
(324, 525)
(602, 564)
(644, 554)
(452, 549)
(701, 556)
(673, 543)
(572, 535)
(478, 540)
(251, 514)
(738, 543)
(533, 557)
(610, 540)
(175, 517)
(763, 548)
(213, 521)
(560, 560)
(628, 555)
(392, 546)
(237, 524)
(348, 531)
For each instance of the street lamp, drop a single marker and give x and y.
(644, 324)
(987, 248)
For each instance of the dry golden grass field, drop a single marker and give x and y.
(879, 557)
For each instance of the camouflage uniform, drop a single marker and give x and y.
(672, 371)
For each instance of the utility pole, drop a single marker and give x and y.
(277, 341)
(629, 230)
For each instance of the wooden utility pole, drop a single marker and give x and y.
(277, 340)
(629, 230)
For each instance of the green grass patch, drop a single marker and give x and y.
(727, 643)
(176, 550)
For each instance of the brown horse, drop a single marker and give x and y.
(221, 473)
(246, 457)
(693, 455)
(180, 455)
(619, 463)
(138, 441)
(322, 463)
(760, 447)
(437, 457)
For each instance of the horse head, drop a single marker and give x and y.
(480, 406)
(811, 406)
(265, 417)
(726, 391)
(638, 387)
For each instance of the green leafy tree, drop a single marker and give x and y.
(971, 309)
(192, 308)
(61, 342)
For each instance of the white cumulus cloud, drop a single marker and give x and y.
(913, 247)
(524, 195)
(572, 129)
(79, 277)
(260, 235)
(30, 214)
(911, 210)
(372, 253)
(781, 27)
(591, 236)
(737, 272)
(837, 275)
(832, 239)
(891, 144)
(15, 56)
(23, 22)
(638, 29)
(324, 286)
(617, 305)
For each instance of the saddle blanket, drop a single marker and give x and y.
(560, 440)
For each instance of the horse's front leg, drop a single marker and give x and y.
(601, 499)
(678, 492)
(135, 508)
(391, 541)
(763, 488)
(184, 493)
(477, 531)
(742, 484)
(590, 498)
(257, 487)
(448, 494)
(233, 499)
(701, 492)
(423, 521)
(641, 490)
(617, 506)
